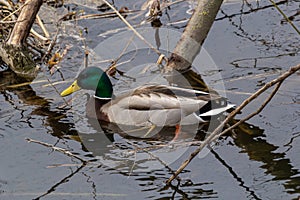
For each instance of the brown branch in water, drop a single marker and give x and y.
(252, 114)
(54, 148)
(131, 28)
(106, 15)
(52, 44)
(217, 132)
(26, 18)
(194, 35)
(10, 8)
(8, 22)
(38, 36)
(41, 24)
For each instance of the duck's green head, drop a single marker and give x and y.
(91, 78)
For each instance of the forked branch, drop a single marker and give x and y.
(218, 131)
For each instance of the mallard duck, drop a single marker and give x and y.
(147, 105)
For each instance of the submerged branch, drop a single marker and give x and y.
(54, 148)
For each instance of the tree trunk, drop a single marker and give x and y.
(15, 52)
(194, 35)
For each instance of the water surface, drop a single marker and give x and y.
(249, 43)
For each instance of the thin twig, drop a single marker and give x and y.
(252, 114)
(113, 66)
(41, 24)
(131, 27)
(103, 15)
(50, 48)
(14, 12)
(217, 131)
(285, 17)
(251, 11)
(54, 148)
(52, 44)
(40, 37)
(8, 22)
(5, 3)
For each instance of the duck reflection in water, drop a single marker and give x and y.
(246, 136)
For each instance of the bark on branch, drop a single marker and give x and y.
(24, 23)
(194, 35)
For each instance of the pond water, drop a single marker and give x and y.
(248, 45)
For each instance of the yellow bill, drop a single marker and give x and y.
(72, 88)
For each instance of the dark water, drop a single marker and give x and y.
(247, 49)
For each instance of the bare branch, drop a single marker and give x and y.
(64, 151)
(194, 35)
(252, 114)
(217, 132)
(25, 20)
(131, 28)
